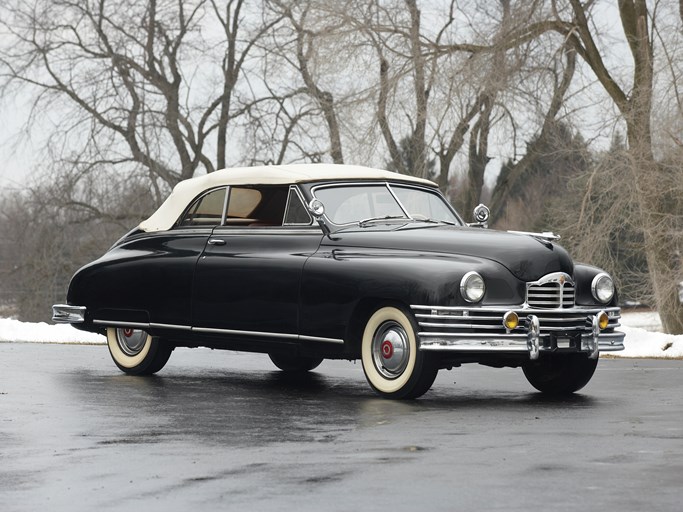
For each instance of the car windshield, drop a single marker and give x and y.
(348, 204)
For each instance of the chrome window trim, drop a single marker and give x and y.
(226, 200)
(350, 184)
(388, 184)
(398, 201)
(303, 203)
(270, 230)
(198, 198)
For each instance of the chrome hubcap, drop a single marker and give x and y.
(130, 341)
(390, 349)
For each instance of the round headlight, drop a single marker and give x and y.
(472, 287)
(602, 288)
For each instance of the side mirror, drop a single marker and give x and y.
(481, 215)
(317, 209)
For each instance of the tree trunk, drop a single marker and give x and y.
(478, 156)
(636, 108)
(661, 246)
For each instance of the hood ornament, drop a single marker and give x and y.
(546, 235)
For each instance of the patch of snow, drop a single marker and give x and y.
(648, 320)
(14, 331)
(642, 343)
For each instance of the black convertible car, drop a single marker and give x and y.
(306, 262)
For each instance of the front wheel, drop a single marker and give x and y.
(135, 352)
(560, 375)
(393, 364)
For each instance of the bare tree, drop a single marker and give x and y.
(634, 102)
(510, 177)
(131, 82)
(37, 263)
(308, 25)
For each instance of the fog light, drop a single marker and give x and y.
(603, 320)
(510, 320)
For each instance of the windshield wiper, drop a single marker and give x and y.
(434, 221)
(363, 222)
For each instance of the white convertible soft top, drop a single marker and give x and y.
(187, 190)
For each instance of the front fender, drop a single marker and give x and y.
(335, 281)
(583, 277)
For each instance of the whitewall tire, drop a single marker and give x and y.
(393, 364)
(136, 352)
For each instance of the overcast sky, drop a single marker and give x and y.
(20, 155)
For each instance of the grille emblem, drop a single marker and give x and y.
(551, 291)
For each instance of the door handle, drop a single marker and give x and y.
(216, 241)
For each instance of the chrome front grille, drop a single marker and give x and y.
(552, 291)
(488, 321)
(550, 295)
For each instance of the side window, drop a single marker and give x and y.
(296, 213)
(256, 206)
(207, 210)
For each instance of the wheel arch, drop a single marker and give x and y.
(359, 317)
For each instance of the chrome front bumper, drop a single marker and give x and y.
(457, 329)
(65, 314)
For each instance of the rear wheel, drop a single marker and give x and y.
(290, 363)
(135, 352)
(560, 375)
(393, 364)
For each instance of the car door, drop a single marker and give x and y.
(248, 278)
(172, 259)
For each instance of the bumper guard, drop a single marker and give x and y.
(66, 314)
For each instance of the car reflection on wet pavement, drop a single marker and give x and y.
(225, 430)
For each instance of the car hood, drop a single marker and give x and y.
(527, 257)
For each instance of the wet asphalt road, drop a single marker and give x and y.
(224, 431)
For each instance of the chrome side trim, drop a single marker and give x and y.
(267, 334)
(171, 326)
(116, 323)
(210, 330)
(66, 314)
(323, 340)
